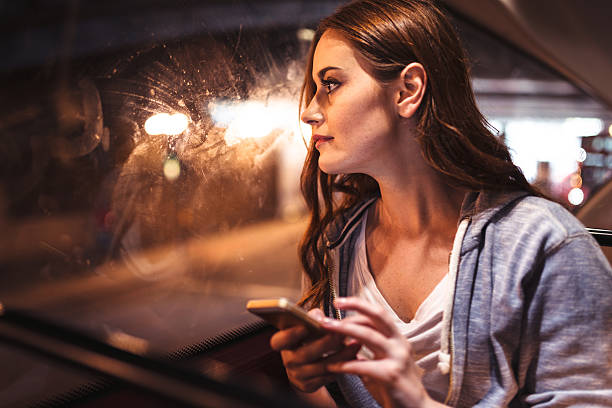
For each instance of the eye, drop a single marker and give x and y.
(330, 84)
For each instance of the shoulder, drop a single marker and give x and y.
(533, 244)
(540, 223)
(545, 218)
(530, 233)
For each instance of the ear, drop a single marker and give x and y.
(411, 88)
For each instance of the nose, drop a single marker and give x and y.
(312, 114)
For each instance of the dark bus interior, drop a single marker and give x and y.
(149, 186)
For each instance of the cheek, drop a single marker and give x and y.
(368, 121)
(359, 111)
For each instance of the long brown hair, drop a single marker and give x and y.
(454, 136)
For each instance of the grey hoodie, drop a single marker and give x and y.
(530, 320)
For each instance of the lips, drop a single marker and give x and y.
(320, 139)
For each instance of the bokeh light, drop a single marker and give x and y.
(576, 180)
(166, 124)
(581, 127)
(305, 34)
(172, 168)
(258, 119)
(575, 196)
(581, 155)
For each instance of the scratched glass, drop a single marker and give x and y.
(150, 157)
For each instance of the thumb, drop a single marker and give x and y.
(316, 313)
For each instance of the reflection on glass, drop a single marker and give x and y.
(150, 187)
(172, 168)
(166, 124)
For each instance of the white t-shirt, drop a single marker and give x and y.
(423, 331)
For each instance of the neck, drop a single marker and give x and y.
(415, 201)
(416, 209)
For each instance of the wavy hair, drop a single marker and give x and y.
(453, 135)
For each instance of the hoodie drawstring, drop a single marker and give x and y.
(444, 357)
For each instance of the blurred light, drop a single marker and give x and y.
(576, 180)
(582, 155)
(165, 124)
(595, 160)
(258, 119)
(496, 127)
(531, 141)
(127, 342)
(582, 126)
(575, 196)
(610, 130)
(172, 168)
(305, 34)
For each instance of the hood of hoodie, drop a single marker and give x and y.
(481, 207)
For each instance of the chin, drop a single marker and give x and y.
(326, 165)
(326, 169)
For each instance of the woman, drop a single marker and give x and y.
(397, 142)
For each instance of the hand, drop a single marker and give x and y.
(391, 376)
(306, 358)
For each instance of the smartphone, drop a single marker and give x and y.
(283, 314)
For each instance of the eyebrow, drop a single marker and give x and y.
(322, 72)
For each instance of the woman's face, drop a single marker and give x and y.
(353, 117)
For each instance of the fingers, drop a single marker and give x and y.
(306, 377)
(304, 372)
(404, 378)
(393, 371)
(378, 315)
(375, 340)
(347, 353)
(368, 368)
(312, 376)
(292, 337)
(316, 313)
(312, 384)
(316, 349)
(387, 372)
(288, 339)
